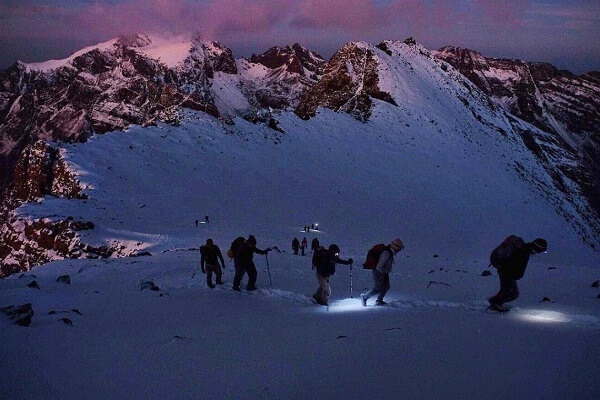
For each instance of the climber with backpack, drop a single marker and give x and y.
(511, 258)
(304, 245)
(244, 262)
(324, 260)
(210, 255)
(380, 259)
(295, 246)
(314, 245)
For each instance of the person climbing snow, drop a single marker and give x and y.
(303, 245)
(511, 258)
(324, 260)
(295, 246)
(196, 223)
(314, 245)
(206, 219)
(210, 255)
(244, 260)
(382, 264)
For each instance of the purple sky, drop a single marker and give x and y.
(565, 33)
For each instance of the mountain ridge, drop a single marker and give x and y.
(392, 86)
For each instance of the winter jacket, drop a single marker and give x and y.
(314, 244)
(386, 261)
(210, 256)
(327, 267)
(246, 252)
(295, 244)
(514, 267)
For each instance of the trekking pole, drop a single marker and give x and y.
(351, 287)
(269, 269)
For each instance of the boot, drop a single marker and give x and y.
(363, 300)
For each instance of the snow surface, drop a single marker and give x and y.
(194, 342)
(172, 51)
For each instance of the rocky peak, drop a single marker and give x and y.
(296, 59)
(348, 84)
(137, 40)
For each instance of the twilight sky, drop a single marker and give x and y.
(565, 33)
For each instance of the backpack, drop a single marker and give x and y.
(235, 246)
(505, 249)
(321, 261)
(373, 256)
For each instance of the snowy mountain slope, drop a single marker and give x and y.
(413, 103)
(558, 102)
(423, 88)
(135, 79)
(147, 186)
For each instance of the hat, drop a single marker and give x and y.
(539, 245)
(252, 239)
(397, 244)
(209, 242)
(334, 248)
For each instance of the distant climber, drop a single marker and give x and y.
(244, 263)
(314, 245)
(206, 219)
(380, 260)
(196, 223)
(324, 260)
(511, 258)
(303, 245)
(210, 255)
(295, 246)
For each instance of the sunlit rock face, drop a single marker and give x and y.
(349, 83)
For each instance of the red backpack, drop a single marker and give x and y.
(373, 255)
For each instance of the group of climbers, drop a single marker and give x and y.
(510, 258)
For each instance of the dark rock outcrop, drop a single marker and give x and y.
(21, 314)
(349, 83)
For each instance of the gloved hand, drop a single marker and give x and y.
(203, 271)
(351, 261)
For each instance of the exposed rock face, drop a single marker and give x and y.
(349, 83)
(288, 73)
(40, 171)
(556, 101)
(295, 58)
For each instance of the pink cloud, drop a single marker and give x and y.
(349, 15)
(322, 24)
